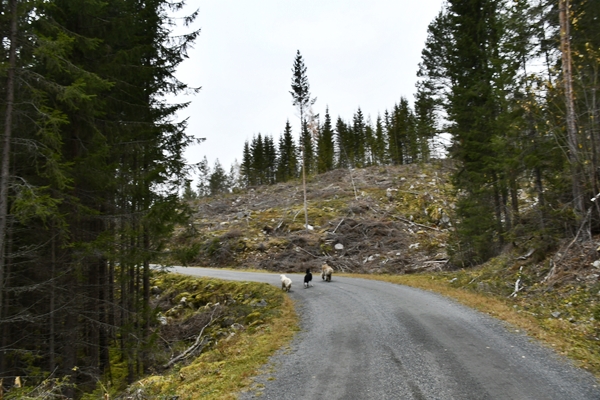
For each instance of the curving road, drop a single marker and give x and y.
(364, 339)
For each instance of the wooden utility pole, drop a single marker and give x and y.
(573, 143)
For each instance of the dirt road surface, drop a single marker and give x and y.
(364, 339)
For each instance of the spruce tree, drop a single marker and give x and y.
(426, 124)
(345, 149)
(379, 143)
(218, 182)
(307, 148)
(246, 166)
(258, 166)
(203, 176)
(325, 146)
(358, 139)
(287, 165)
(270, 156)
(583, 17)
(302, 100)
(301, 88)
(101, 174)
(473, 109)
(370, 144)
(400, 132)
(188, 193)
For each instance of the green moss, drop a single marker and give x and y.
(255, 305)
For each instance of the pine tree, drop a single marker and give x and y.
(435, 81)
(45, 89)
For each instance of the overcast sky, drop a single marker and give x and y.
(357, 53)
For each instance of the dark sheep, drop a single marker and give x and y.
(307, 278)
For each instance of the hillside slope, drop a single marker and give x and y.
(391, 219)
(396, 220)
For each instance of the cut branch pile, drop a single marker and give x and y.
(198, 344)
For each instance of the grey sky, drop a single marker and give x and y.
(357, 53)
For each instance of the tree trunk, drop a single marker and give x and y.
(514, 200)
(303, 169)
(102, 318)
(52, 322)
(146, 301)
(573, 145)
(5, 167)
(498, 207)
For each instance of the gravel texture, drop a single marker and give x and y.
(364, 339)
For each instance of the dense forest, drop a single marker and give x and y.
(91, 169)
(92, 160)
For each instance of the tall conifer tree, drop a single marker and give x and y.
(307, 148)
(302, 100)
(218, 182)
(270, 156)
(287, 167)
(301, 88)
(345, 149)
(359, 139)
(93, 75)
(257, 149)
(325, 146)
(379, 143)
(246, 165)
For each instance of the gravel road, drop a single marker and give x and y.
(364, 339)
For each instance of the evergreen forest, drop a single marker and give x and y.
(92, 165)
(93, 180)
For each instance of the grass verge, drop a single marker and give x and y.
(228, 367)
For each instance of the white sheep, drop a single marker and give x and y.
(286, 283)
(326, 272)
